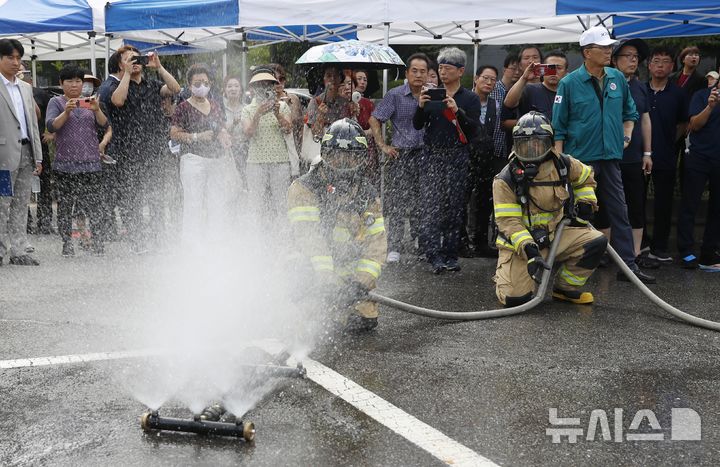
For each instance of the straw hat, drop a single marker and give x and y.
(95, 80)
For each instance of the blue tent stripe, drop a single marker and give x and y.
(37, 16)
(575, 7)
(140, 15)
(676, 25)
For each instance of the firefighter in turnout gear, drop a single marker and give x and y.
(337, 224)
(531, 195)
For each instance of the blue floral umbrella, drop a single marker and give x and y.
(352, 54)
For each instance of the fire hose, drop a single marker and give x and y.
(540, 295)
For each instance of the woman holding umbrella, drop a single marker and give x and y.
(330, 105)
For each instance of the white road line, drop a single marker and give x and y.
(421, 434)
(82, 358)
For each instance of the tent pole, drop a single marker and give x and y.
(386, 42)
(476, 46)
(107, 53)
(243, 59)
(381, 154)
(33, 62)
(224, 64)
(93, 64)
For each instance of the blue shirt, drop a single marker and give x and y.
(398, 106)
(668, 108)
(592, 131)
(633, 153)
(704, 143)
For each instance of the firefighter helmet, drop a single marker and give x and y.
(344, 147)
(532, 137)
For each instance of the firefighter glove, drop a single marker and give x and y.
(584, 213)
(536, 264)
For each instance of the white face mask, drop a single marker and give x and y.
(200, 91)
(87, 89)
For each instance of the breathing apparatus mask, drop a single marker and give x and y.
(344, 152)
(532, 139)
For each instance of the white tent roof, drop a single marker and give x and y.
(489, 32)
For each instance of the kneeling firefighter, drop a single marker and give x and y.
(337, 224)
(531, 195)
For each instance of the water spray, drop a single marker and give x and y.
(152, 421)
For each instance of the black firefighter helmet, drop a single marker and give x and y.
(532, 137)
(344, 148)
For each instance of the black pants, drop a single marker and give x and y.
(443, 181)
(402, 195)
(664, 188)
(478, 199)
(695, 178)
(80, 192)
(633, 180)
(140, 184)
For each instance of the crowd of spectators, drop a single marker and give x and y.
(169, 160)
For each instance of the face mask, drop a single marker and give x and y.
(200, 91)
(87, 89)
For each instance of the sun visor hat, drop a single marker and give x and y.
(259, 77)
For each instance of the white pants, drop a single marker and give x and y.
(267, 193)
(210, 189)
(14, 209)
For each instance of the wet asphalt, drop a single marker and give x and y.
(488, 385)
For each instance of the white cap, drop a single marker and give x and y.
(596, 35)
(712, 74)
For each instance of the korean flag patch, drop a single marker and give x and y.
(558, 99)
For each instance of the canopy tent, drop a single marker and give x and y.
(209, 25)
(564, 28)
(36, 16)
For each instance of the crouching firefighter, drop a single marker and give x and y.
(531, 195)
(338, 228)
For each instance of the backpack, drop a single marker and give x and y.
(521, 188)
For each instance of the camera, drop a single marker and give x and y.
(141, 59)
(545, 69)
(85, 102)
(436, 94)
(266, 95)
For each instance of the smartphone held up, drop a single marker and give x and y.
(544, 69)
(85, 102)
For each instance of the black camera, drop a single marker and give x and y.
(141, 59)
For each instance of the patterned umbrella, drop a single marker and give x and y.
(352, 54)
